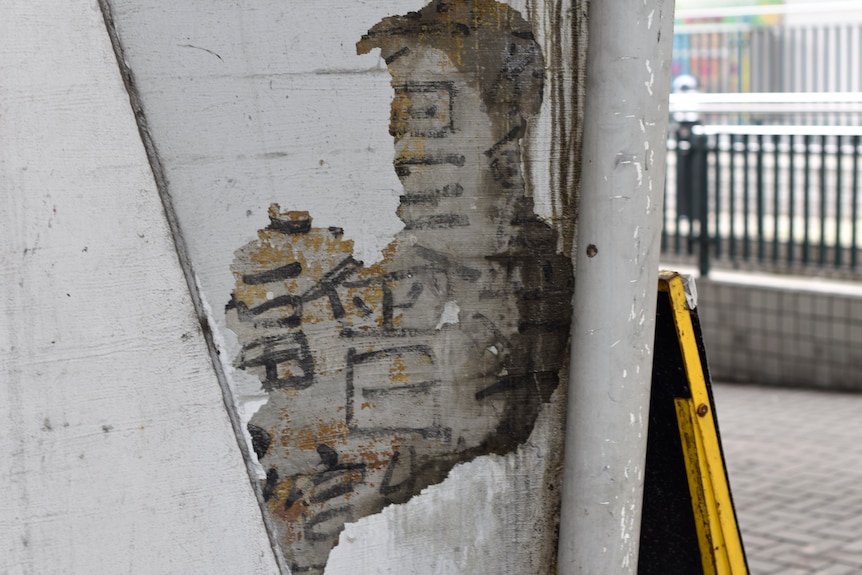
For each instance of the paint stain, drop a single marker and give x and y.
(379, 378)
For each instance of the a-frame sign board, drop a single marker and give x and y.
(689, 525)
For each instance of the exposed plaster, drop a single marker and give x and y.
(381, 378)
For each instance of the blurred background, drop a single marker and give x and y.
(763, 204)
(766, 109)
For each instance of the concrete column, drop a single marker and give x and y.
(628, 76)
(118, 454)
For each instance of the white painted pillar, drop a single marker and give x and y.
(628, 77)
(117, 452)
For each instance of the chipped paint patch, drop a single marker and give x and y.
(449, 315)
(381, 378)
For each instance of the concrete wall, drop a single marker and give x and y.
(782, 331)
(118, 454)
(387, 355)
(126, 442)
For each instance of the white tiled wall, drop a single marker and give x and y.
(780, 331)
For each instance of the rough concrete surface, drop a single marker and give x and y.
(381, 378)
(117, 453)
(250, 104)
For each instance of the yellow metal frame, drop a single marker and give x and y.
(717, 531)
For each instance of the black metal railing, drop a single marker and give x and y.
(774, 198)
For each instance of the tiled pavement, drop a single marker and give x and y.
(795, 463)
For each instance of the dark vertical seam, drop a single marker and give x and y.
(188, 271)
(580, 46)
(558, 111)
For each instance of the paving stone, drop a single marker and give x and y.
(759, 566)
(794, 458)
(836, 569)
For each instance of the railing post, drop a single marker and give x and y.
(700, 197)
(854, 246)
(821, 260)
(806, 195)
(776, 197)
(839, 184)
(686, 194)
(682, 204)
(761, 251)
(746, 196)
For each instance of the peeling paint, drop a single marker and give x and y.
(381, 378)
(450, 317)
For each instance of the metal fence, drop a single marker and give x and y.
(774, 198)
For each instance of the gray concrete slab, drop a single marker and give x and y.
(794, 458)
